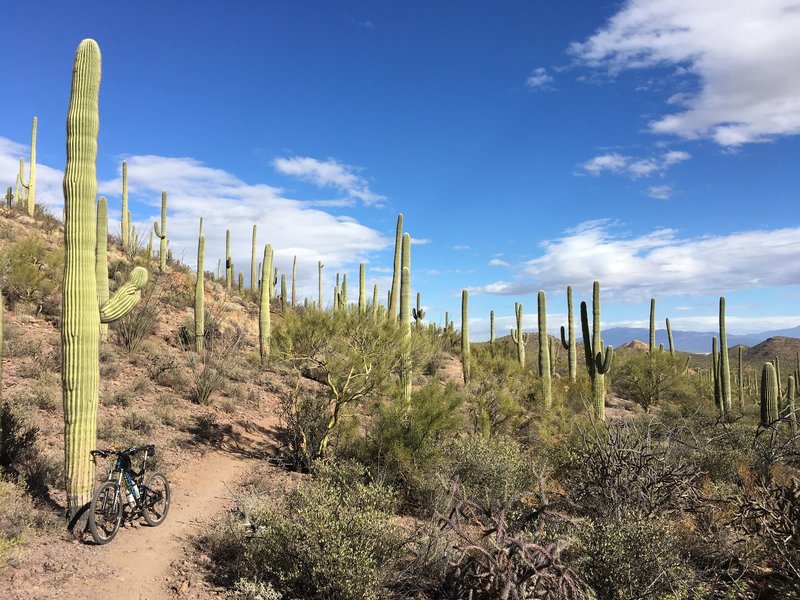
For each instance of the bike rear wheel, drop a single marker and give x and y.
(155, 499)
(105, 513)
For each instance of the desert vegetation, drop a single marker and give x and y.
(413, 464)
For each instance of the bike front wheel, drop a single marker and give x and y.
(155, 499)
(105, 513)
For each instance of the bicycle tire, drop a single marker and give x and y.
(105, 513)
(155, 499)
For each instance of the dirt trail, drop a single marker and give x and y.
(141, 562)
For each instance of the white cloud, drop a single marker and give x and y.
(49, 181)
(496, 262)
(539, 79)
(660, 263)
(660, 192)
(420, 241)
(503, 288)
(739, 54)
(224, 201)
(328, 173)
(737, 325)
(460, 247)
(635, 168)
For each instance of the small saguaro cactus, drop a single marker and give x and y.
(161, 233)
(30, 185)
(125, 224)
(253, 273)
(491, 329)
(741, 382)
(362, 288)
(101, 259)
(596, 363)
(81, 316)
(375, 301)
(343, 293)
(465, 354)
(274, 278)
(264, 317)
(545, 374)
(724, 363)
(199, 294)
(670, 340)
(319, 268)
(283, 291)
(519, 338)
(652, 344)
(394, 299)
(150, 248)
(294, 281)
(769, 395)
(9, 197)
(418, 313)
(228, 261)
(791, 391)
(569, 342)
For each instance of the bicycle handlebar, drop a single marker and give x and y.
(149, 448)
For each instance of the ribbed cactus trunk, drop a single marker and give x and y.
(715, 375)
(465, 353)
(294, 281)
(253, 263)
(343, 293)
(81, 313)
(545, 374)
(769, 395)
(228, 261)
(161, 233)
(199, 293)
(741, 382)
(375, 301)
(724, 363)
(125, 225)
(791, 392)
(596, 363)
(30, 185)
(395, 291)
(101, 259)
(670, 340)
(283, 291)
(264, 317)
(362, 288)
(319, 268)
(652, 345)
(405, 320)
(519, 338)
(570, 344)
(9, 197)
(491, 330)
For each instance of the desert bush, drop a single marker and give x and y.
(208, 370)
(135, 327)
(648, 378)
(17, 438)
(212, 330)
(140, 421)
(21, 346)
(15, 511)
(249, 589)
(330, 538)
(157, 363)
(31, 273)
(634, 558)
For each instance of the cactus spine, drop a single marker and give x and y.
(669, 339)
(199, 293)
(161, 233)
(519, 338)
(545, 374)
(724, 364)
(569, 343)
(253, 263)
(596, 363)
(294, 281)
(362, 288)
(398, 246)
(125, 225)
(652, 344)
(465, 354)
(30, 185)
(228, 261)
(769, 395)
(405, 319)
(418, 313)
(264, 318)
(101, 259)
(81, 318)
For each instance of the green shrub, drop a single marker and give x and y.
(329, 539)
(136, 420)
(17, 438)
(32, 274)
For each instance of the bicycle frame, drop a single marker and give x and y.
(121, 472)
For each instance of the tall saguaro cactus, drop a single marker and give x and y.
(81, 314)
(418, 313)
(265, 294)
(669, 338)
(465, 353)
(30, 185)
(199, 293)
(398, 247)
(652, 344)
(596, 363)
(769, 395)
(125, 224)
(319, 268)
(405, 319)
(724, 363)
(253, 264)
(518, 337)
(545, 373)
(161, 233)
(101, 259)
(294, 281)
(491, 330)
(362, 288)
(570, 344)
(741, 382)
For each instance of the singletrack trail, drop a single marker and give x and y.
(141, 562)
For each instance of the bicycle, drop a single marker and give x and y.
(148, 497)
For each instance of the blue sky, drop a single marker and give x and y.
(652, 145)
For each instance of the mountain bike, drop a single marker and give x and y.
(146, 496)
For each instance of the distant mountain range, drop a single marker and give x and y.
(690, 341)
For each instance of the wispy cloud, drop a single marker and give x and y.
(736, 53)
(660, 192)
(503, 288)
(539, 79)
(738, 325)
(420, 241)
(496, 262)
(329, 174)
(633, 167)
(461, 247)
(662, 263)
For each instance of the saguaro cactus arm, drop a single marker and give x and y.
(125, 298)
